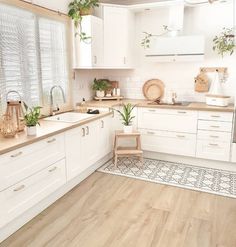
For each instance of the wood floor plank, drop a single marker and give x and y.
(113, 211)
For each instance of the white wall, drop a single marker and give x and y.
(207, 20)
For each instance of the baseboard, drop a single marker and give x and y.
(17, 223)
(228, 166)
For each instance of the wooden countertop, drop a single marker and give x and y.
(45, 130)
(198, 106)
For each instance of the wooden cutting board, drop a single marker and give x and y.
(153, 89)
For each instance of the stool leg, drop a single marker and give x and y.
(115, 160)
(115, 147)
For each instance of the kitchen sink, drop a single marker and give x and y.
(69, 117)
(182, 103)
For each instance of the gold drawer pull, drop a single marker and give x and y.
(53, 169)
(51, 141)
(215, 126)
(180, 136)
(152, 110)
(182, 112)
(213, 145)
(150, 133)
(83, 132)
(215, 116)
(214, 136)
(102, 124)
(19, 188)
(16, 155)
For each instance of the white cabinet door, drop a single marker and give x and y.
(168, 142)
(89, 53)
(19, 198)
(117, 37)
(105, 137)
(56, 5)
(168, 120)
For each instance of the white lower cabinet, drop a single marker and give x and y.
(27, 193)
(213, 150)
(87, 144)
(169, 142)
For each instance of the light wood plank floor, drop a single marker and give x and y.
(113, 211)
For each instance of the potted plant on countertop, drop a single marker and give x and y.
(31, 117)
(225, 42)
(126, 117)
(100, 86)
(77, 9)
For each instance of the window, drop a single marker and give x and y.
(33, 55)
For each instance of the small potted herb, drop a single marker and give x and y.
(225, 42)
(100, 86)
(31, 117)
(126, 117)
(77, 9)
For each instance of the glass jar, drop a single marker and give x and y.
(8, 127)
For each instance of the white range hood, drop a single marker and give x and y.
(175, 47)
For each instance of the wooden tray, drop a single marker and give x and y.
(153, 89)
(109, 98)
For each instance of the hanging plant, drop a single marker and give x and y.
(77, 9)
(145, 43)
(225, 42)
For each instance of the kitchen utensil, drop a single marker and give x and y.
(201, 83)
(153, 89)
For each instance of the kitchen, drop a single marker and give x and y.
(60, 176)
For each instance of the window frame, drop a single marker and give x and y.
(57, 16)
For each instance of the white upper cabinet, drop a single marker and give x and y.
(118, 36)
(89, 54)
(61, 6)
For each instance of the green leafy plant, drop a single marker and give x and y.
(32, 115)
(145, 43)
(126, 114)
(225, 42)
(100, 84)
(76, 10)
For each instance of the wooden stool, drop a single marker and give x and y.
(127, 151)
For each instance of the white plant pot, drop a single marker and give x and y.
(128, 129)
(31, 130)
(100, 94)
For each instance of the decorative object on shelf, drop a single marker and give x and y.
(32, 116)
(77, 9)
(153, 89)
(224, 43)
(126, 117)
(118, 98)
(100, 86)
(223, 72)
(201, 83)
(15, 111)
(8, 127)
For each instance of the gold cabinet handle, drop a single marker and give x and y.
(215, 126)
(213, 145)
(51, 141)
(152, 110)
(180, 136)
(83, 132)
(215, 116)
(19, 188)
(214, 136)
(182, 112)
(150, 132)
(87, 130)
(53, 169)
(16, 155)
(102, 124)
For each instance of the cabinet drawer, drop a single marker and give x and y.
(168, 120)
(216, 116)
(214, 136)
(19, 198)
(22, 163)
(213, 150)
(214, 126)
(169, 142)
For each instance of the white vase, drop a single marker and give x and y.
(31, 130)
(100, 94)
(128, 129)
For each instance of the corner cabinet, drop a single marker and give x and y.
(89, 54)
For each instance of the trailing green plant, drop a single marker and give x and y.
(224, 43)
(100, 84)
(32, 115)
(145, 43)
(126, 114)
(76, 9)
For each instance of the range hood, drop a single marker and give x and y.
(176, 47)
